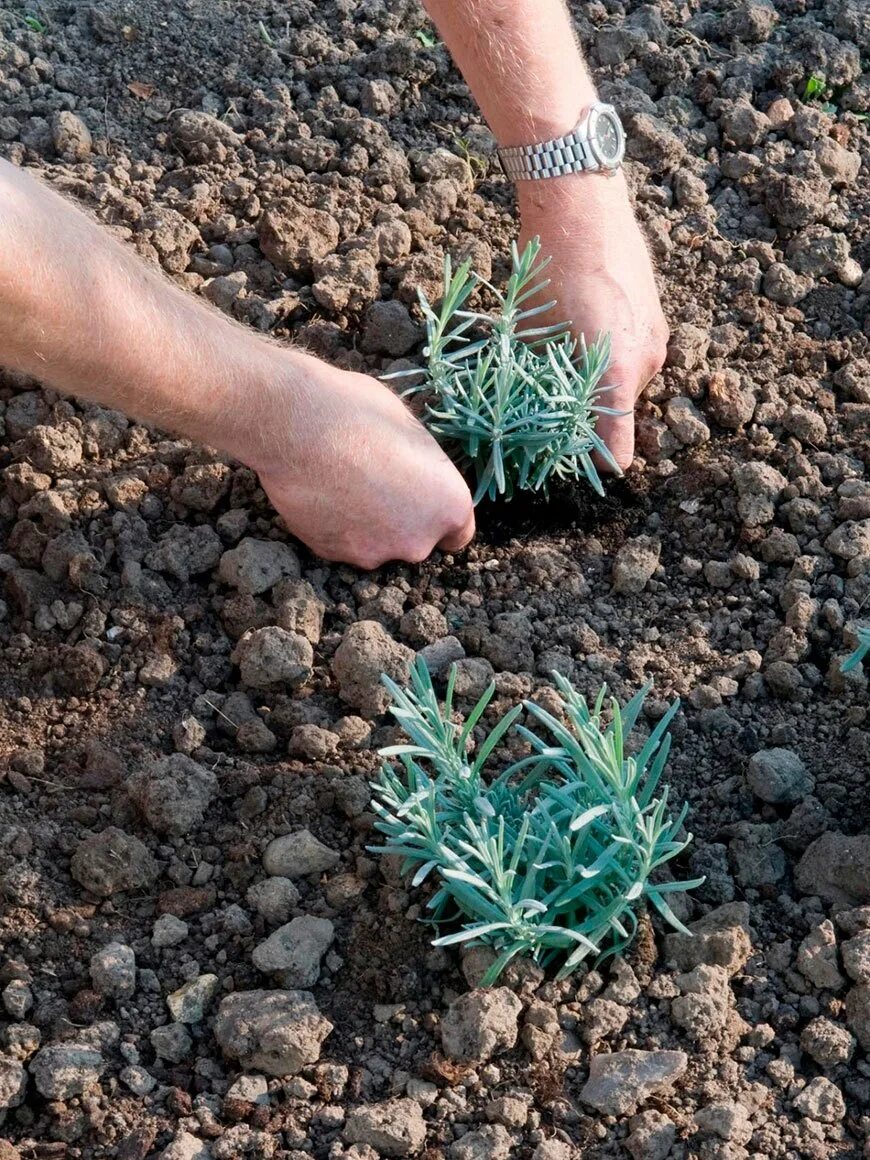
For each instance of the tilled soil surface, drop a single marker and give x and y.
(171, 705)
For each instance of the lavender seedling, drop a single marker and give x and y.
(550, 857)
(521, 402)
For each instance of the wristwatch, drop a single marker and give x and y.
(595, 145)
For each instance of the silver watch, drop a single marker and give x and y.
(596, 144)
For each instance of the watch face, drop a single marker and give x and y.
(608, 138)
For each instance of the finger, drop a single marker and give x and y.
(617, 431)
(456, 540)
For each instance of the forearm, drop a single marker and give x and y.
(522, 62)
(84, 315)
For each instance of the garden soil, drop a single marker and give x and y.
(184, 689)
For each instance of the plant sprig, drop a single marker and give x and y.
(521, 403)
(855, 658)
(549, 858)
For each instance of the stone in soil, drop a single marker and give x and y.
(297, 855)
(367, 651)
(635, 564)
(188, 1004)
(113, 971)
(480, 1024)
(822, 1101)
(836, 867)
(173, 793)
(273, 656)
(171, 1042)
(185, 1146)
(112, 861)
(13, 1085)
(393, 1128)
(255, 566)
(63, 1070)
(778, 776)
(292, 953)
(275, 1032)
(619, 1081)
(720, 939)
(273, 899)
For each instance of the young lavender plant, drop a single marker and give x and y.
(520, 403)
(550, 857)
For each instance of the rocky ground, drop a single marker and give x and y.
(199, 958)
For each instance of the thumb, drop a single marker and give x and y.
(460, 537)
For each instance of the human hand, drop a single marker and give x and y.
(602, 278)
(355, 476)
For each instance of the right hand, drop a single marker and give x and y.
(357, 478)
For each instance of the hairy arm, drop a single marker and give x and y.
(343, 460)
(81, 313)
(524, 65)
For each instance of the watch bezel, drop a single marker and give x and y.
(595, 114)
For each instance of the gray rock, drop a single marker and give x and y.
(137, 1079)
(276, 1032)
(13, 1085)
(652, 1136)
(273, 656)
(188, 1003)
(817, 958)
(185, 1146)
(297, 855)
(63, 1070)
(423, 625)
(635, 564)
(438, 657)
(70, 135)
(686, 422)
(726, 1119)
(255, 566)
(186, 551)
(111, 861)
(492, 1142)
(191, 127)
(481, 1024)
(389, 329)
(554, 1149)
(273, 899)
(850, 539)
(758, 858)
(299, 609)
(252, 1089)
(836, 867)
(172, 793)
(621, 1080)
(858, 1014)
(17, 998)
(168, 931)
(293, 952)
(113, 971)
(312, 743)
(779, 776)
(822, 1101)
(720, 939)
(171, 1042)
(393, 1128)
(828, 1043)
(856, 957)
(293, 236)
(367, 651)
(759, 487)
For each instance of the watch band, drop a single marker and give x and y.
(556, 158)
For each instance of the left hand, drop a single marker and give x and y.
(602, 279)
